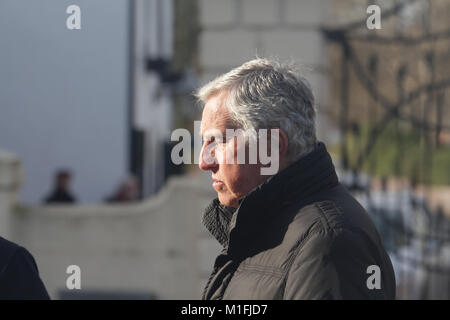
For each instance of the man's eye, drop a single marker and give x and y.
(208, 140)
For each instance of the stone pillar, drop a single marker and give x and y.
(10, 181)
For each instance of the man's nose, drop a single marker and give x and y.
(207, 159)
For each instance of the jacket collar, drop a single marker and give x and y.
(303, 179)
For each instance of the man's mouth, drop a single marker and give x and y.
(217, 183)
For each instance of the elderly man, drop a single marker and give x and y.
(293, 234)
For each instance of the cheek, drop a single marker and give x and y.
(225, 153)
(231, 176)
(220, 153)
(241, 178)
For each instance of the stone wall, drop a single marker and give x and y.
(157, 248)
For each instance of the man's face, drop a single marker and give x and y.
(232, 181)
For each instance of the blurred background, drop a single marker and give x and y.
(86, 116)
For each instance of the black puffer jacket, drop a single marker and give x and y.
(299, 235)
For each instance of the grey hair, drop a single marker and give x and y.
(264, 94)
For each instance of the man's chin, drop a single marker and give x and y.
(225, 201)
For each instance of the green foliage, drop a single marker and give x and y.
(400, 151)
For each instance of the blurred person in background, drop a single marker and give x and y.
(127, 191)
(295, 234)
(61, 191)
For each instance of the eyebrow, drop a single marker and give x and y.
(202, 129)
(212, 134)
(229, 124)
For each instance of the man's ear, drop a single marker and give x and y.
(282, 143)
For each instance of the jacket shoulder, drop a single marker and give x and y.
(319, 217)
(332, 256)
(315, 225)
(323, 226)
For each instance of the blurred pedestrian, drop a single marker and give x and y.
(128, 191)
(61, 191)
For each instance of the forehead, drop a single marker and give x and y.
(215, 115)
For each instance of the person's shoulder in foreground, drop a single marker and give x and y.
(19, 275)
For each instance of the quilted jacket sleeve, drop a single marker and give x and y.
(333, 265)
